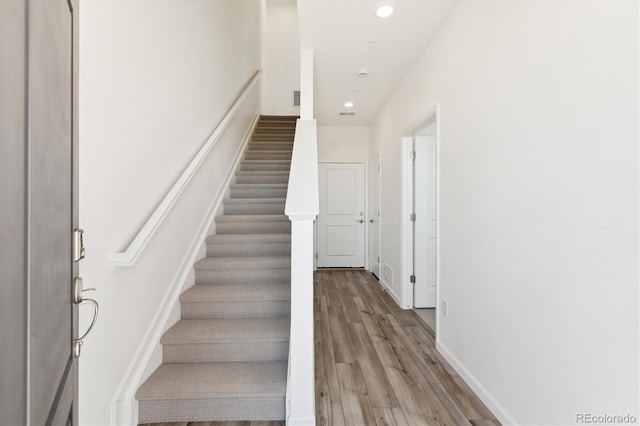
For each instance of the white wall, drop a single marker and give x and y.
(343, 144)
(155, 80)
(539, 201)
(280, 58)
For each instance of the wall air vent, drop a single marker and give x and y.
(296, 98)
(347, 114)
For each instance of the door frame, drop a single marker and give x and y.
(430, 117)
(369, 214)
(367, 265)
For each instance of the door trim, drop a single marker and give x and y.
(430, 117)
(369, 214)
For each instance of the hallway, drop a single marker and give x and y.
(377, 364)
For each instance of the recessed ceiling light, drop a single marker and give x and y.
(371, 44)
(348, 104)
(384, 9)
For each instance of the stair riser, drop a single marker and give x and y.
(259, 193)
(277, 125)
(268, 152)
(274, 131)
(272, 138)
(262, 179)
(243, 276)
(263, 139)
(254, 208)
(253, 155)
(240, 309)
(253, 228)
(247, 167)
(225, 352)
(249, 249)
(267, 117)
(270, 147)
(212, 409)
(289, 136)
(277, 122)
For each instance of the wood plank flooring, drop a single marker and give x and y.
(377, 364)
(227, 423)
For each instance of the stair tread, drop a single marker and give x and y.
(254, 200)
(266, 139)
(248, 238)
(258, 185)
(227, 330)
(281, 141)
(274, 122)
(262, 173)
(215, 380)
(271, 151)
(278, 145)
(236, 292)
(265, 161)
(248, 262)
(253, 218)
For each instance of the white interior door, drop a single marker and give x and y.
(341, 218)
(425, 224)
(374, 216)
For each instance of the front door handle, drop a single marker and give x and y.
(79, 299)
(360, 221)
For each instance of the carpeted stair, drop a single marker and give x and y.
(226, 359)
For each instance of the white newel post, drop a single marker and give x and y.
(302, 368)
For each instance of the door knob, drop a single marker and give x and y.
(360, 221)
(370, 220)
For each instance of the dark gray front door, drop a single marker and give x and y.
(39, 187)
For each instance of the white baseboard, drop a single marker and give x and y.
(124, 407)
(301, 421)
(492, 404)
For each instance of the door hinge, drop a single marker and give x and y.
(378, 259)
(316, 255)
(412, 217)
(412, 279)
(413, 155)
(378, 167)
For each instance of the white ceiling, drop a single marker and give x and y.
(338, 31)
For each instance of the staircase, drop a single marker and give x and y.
(226, 359)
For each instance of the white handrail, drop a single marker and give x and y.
(129, 256)
(302, 207)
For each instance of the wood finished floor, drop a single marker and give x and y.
(376, 364)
